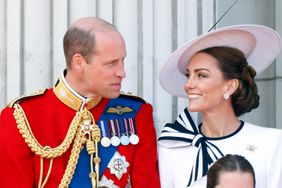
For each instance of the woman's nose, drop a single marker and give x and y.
(190, 83)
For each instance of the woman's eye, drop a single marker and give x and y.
(202, 75)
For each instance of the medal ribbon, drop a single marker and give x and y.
(104, 134)
(118, 128)
(131, 124)
(113, 127)
(126, 127)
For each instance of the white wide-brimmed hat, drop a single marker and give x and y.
(260, 44)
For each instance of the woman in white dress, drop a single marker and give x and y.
(216, 72)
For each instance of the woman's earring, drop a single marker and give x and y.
(225, 96)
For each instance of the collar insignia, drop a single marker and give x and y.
(119, 110)
(71, 98)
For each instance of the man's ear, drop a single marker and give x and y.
(78, 61)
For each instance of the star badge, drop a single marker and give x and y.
(86, 127)
(105, 182)
(118, 165)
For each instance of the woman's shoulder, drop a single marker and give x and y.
(263, 132)
(261, 128)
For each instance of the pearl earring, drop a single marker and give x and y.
(225, 96)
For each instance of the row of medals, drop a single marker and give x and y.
(123, 140)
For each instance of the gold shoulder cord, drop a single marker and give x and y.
(88, 133)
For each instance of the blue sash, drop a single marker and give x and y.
(81, 174)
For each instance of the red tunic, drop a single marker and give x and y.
(49, 120)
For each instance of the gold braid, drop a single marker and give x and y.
(74, 131)
(77, 146)
(31, 141)
(96, 136)
(93, 132)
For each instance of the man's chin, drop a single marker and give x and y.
(113, 95)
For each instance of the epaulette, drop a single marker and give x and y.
(17, 100)
(131, 96)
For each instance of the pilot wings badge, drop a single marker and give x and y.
(119, 110)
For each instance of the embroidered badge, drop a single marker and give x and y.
(105, 182)
(118, 165)
(119, 110)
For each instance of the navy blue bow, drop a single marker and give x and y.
(186, 133)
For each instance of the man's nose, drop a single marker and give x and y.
(121, 70)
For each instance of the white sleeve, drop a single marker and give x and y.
(274, 162)
(165, 170)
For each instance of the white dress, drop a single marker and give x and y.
(261, 146)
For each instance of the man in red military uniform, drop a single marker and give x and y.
(82, 132)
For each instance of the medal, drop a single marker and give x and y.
(105, 142)
(134, 139)
(124, 140)
(115, 141)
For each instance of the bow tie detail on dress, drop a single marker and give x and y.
(183, 132)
